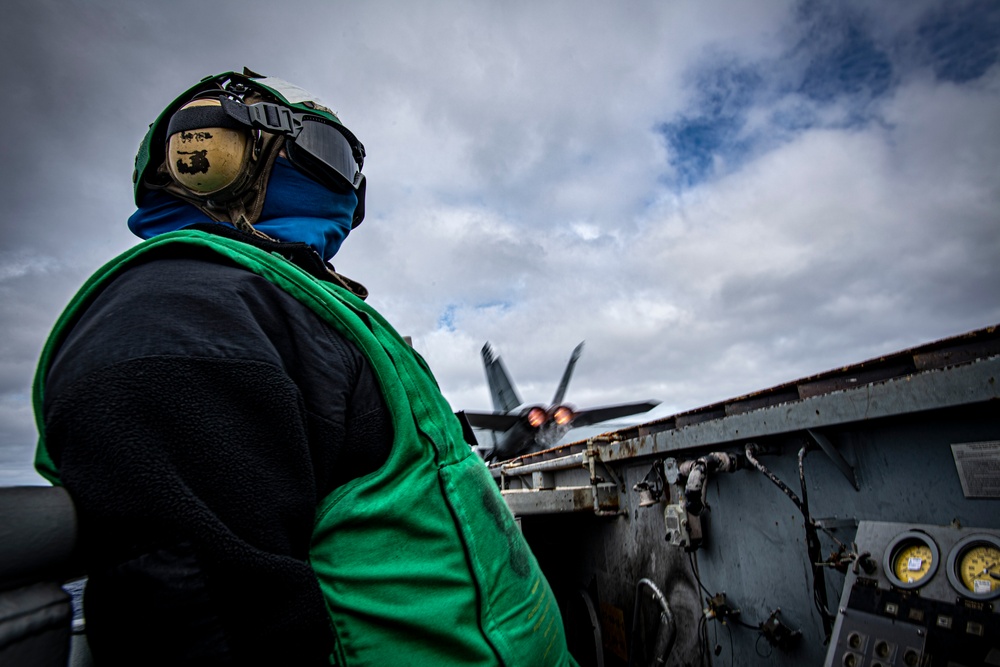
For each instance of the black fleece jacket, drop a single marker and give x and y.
(198, 414)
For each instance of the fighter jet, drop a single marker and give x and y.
(519, 430)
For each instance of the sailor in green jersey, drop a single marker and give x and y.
(265, 472)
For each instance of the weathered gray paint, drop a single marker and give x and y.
(895, 433)
(910, 394)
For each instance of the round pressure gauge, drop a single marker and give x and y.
(910, 560)
(974, 567)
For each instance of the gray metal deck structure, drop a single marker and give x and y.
(875, 443)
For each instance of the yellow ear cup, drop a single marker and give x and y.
(207, 159)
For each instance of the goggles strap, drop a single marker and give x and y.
(280, 119)
(197, 118)
(265, 116)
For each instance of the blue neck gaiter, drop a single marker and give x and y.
(296, 209)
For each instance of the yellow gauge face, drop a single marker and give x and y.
(912, 562)
(979, 569)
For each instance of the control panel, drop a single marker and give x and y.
(923, 596)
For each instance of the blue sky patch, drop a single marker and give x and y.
(962, 41)
(723, 95)
(854, 66)
(836, 62)
(446, 320)
(842, 61)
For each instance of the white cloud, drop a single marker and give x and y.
(820, 253)
(521, 192)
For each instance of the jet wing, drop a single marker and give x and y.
(597, 415)
(491, 420)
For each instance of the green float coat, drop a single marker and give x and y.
(420, 562)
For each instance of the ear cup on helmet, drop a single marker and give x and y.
(206, 160)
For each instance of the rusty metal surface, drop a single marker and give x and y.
(564, 499)
(852, 385)
(703, 415)
(861, 376)
(965, 348)
(958, 354)
(775, 397)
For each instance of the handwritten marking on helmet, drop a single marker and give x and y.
(195, 136)
(197, 162)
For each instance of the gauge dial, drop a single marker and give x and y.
(974, 567)
(979, 569)
(913, 562)
(911, 559)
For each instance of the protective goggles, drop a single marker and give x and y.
(325, 151)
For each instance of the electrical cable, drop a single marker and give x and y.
(702, 638)
(731, 656)
(802, 504)
(805, 503)
(739, 621)
(715, 632)
(702, 620)
(756, 648)
(751, 450)
(694, 570)
(813, 546)
(734, 619)
(812, 540)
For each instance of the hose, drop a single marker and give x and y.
(664, 641)
(697, 471)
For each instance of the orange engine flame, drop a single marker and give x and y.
(562, 415)
(536, 417)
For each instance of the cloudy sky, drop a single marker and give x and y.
(717, 196)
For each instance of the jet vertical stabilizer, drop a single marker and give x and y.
(567, 374)
(502, 390)
(534, 427)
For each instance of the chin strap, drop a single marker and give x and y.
(353, 286)
(238, 218)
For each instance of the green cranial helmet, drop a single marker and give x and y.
(215, 144)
